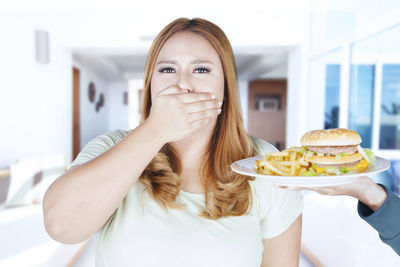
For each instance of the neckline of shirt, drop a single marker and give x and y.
(196, 195)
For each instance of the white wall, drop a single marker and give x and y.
(35, 99)
(92, 123)
(118, 112)
(297, 100)
(134, 115)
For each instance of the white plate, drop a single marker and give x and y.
(246, 167)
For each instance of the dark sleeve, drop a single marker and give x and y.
(386, 220)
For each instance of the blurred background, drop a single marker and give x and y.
(71, 70)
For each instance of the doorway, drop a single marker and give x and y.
(76, 136)
(267, 111)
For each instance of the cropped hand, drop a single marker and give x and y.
(363, 188)
(177, 113)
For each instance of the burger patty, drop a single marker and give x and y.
(332, 150)
(351, 164)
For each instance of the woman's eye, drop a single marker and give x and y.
(167, 70)
(201, 70)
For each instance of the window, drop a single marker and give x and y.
(361, 101)
(390, 107)
(324, 91)
(332, 89)
(374, 97)
(359, 84)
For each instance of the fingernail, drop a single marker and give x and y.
(213, 97)
(219, 103)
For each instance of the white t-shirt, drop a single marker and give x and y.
(141, 233)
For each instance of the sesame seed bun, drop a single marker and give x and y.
(331, 137)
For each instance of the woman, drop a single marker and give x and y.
(163, 194)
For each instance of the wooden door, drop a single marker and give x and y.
(76, 144)
(267, 111)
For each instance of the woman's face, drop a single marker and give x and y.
(189, 61)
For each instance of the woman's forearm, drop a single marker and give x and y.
(81, 201)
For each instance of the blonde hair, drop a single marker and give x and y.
(226, 193)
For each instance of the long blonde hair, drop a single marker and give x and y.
(226, 193)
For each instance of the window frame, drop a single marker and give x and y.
(378, 26)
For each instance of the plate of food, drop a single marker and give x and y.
(325, 158)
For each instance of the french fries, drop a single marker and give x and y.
(289, 162)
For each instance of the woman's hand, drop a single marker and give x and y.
(175, 113)
(363, 188)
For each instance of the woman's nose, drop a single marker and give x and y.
(184, 82)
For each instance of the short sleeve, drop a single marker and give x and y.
(285, 206)
(98, 146)
(277, 208)
(262, 146)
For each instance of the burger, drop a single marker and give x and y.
(335, 152)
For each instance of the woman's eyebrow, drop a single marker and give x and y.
(196, 61)
(166, 62)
